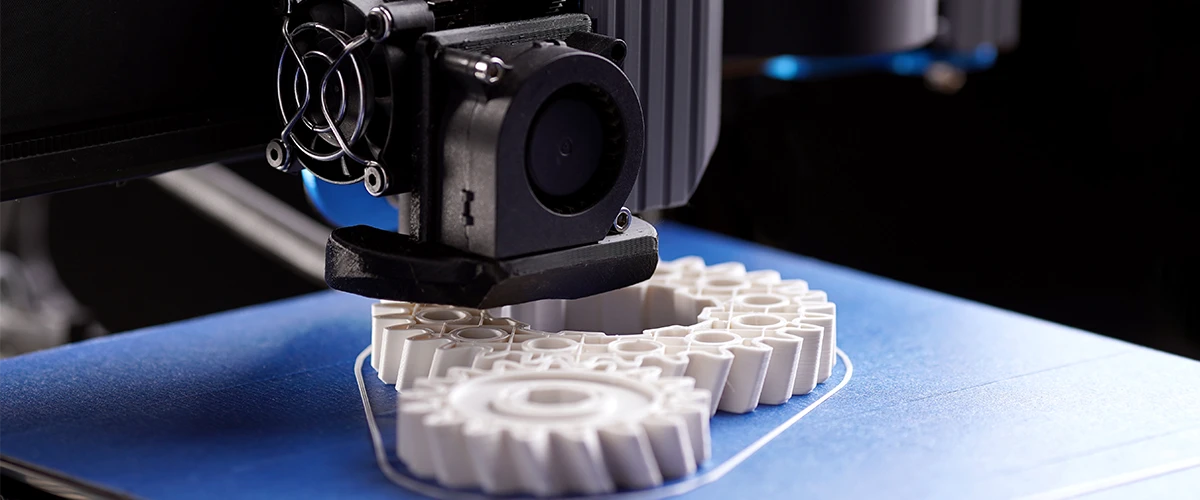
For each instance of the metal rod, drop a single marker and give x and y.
(257, 217)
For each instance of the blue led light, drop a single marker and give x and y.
(913, 63)
(910, 63)
(786, 68)
(985, 55)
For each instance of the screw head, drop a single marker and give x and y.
(278, 156)
(379, 24)
(622, 221)
(375, 179)
(489, 70)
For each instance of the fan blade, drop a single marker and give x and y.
(330, 14)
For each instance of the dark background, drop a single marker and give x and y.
(1056, 184)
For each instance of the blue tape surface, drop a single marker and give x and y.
(950, 399)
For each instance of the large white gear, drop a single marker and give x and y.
(553, 427)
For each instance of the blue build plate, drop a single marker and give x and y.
(949, 399)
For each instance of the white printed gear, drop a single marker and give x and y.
(553, 427)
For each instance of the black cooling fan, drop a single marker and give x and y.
(335, 132)
(340, 124)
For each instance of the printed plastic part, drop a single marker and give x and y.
(751, 338)
(723, 297)
(553, 427)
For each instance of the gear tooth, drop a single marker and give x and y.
(417, 359)
(671, 444)
(393, 347)
(412, 438)
(828, 321)
(820, 307)
(808, 365)
(764, 277)
(494, 470)
(781, 368)
(383, 315)
(672, 367)
(629, 456)
(828, 341)
(710, 370)
(693, 408)
(790, 287)
(726, 269)
(579, 462)
(690, 263)
(747, 374)
(815, 297)
(455, 355)
(450, 455)
(695, 398)
(530, 447)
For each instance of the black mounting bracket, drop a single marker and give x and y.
(384, 265)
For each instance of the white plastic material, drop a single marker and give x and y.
(553, 427)
(752, 338)
(383, 315)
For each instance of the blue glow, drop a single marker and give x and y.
(910, 63)
(350, 204)
(985, 55)
(786, 68)
(913, 63)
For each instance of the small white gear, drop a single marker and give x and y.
(553, 427)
